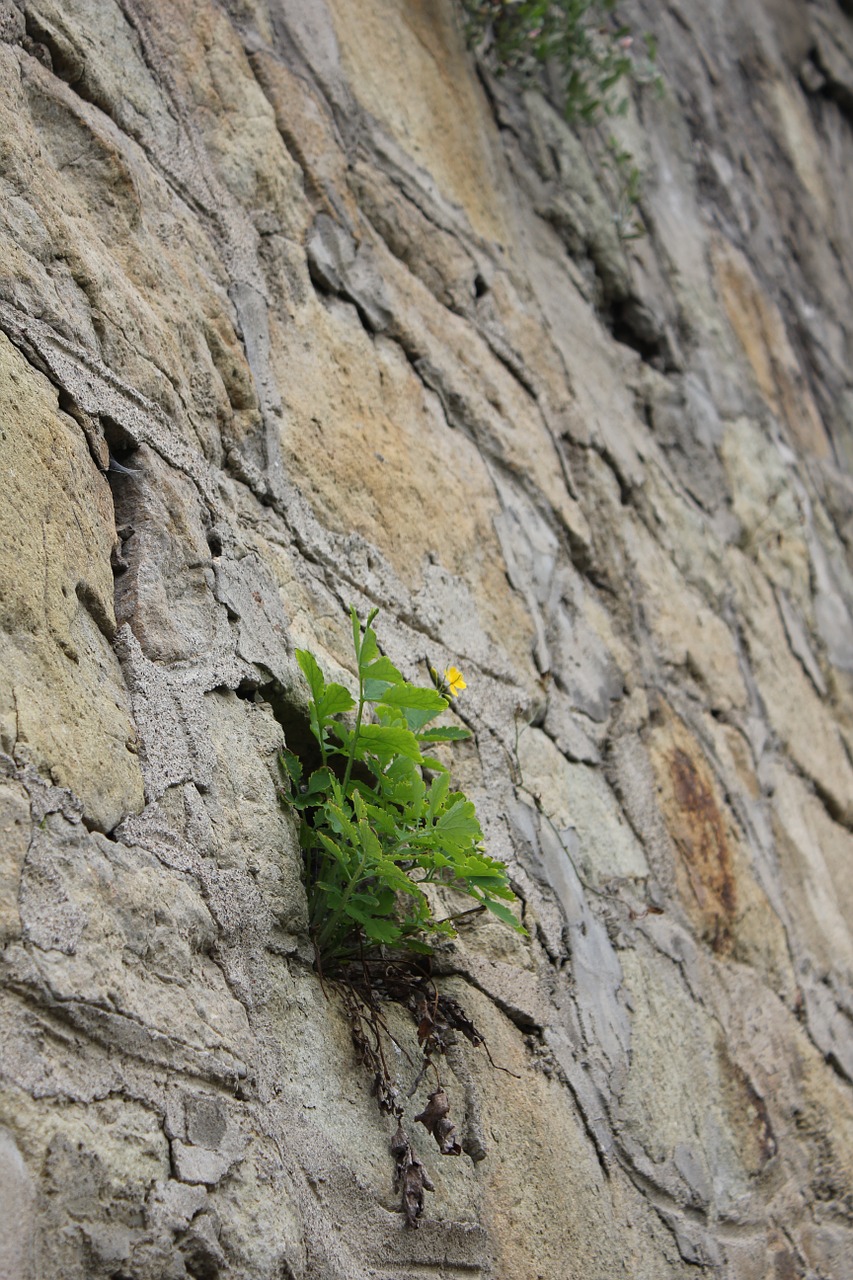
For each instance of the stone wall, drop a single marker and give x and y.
(298, 309)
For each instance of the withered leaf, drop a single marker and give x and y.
(411, 1177)
(436, 1118)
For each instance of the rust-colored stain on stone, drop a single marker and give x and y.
(698, 828)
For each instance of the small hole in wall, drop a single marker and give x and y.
(298, 737)
(121, 443)
(295, 725)
(214, 542)
(480, 286)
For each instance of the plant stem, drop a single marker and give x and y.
(354, 746)
(331, 924)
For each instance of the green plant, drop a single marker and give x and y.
(379, 823)
(625, 182)
(594, 57)
(594, 52)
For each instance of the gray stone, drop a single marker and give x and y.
(18, 1201)
(197, 1164)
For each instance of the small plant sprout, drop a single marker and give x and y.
(379, 820)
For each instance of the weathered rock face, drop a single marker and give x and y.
(297, 311)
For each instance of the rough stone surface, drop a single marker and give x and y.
(300, 306)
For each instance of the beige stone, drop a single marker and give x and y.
(64, 703)
(582, 809)
(17, 1195)
(815, 856)
(409, 67)
(362, 424)
(14, 841)
(802, 719)
(769, 507)
(760, 328)
(687, 632)
(681, 1101)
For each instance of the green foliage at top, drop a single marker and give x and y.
(374, 829)
(594, 52)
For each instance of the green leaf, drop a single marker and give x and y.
(475, 865)
(369, 841)
(385, 904)
(356, 630)
(437, 795)
(417, 704)
(403, 772)
(411, 695)
(379, 677)
(291, 765)
(319, 783)
(312, 673)
(374, 689)
(366, 648)
(383, 669)
(416, 719)
(381, 819)
(369, 651)
(331, 891)
(365, 900)
(339, 822)
(397, 879)
(434, 859)
(334, 700)
(358, 804)
(503, 913)
(444, 733)
(345, 735)
(331, 846)
(491, 884)
(459, 827)
(420, 948)
(433, 763)
(386, 741)
(382, 930)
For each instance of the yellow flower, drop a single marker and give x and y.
(453, 681)
(450, 684)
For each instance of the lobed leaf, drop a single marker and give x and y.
(445, 733)
(503, 913)
(434, 764)
(459, 827)
(379, 930)
(437, 794)
(386, 741)
(312, 673)
(380, 676)
(411, 695)
(291, 764)
(335, 699)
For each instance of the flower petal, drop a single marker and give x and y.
(454, 681)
